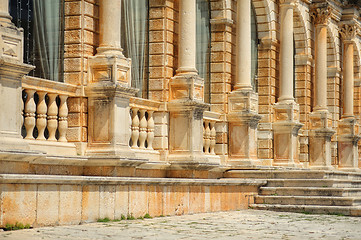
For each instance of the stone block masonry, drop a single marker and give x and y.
(41, 200)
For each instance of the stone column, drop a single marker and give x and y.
(109, 23)
(186, 104)
(5, 18)
(243, 114)
(12, 69)
(187, 37)
(109, 90)
(286, 125)
(348, 133)
(320, 131)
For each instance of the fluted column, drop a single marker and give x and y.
(286, 51)
(243, 45)
(187, 37)
(109, 27)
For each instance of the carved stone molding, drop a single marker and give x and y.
(348, 31)
(320, 14)
(291, 3)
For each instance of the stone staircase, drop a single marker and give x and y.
(307, 191)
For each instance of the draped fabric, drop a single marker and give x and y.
(254, 47)
(135, 39)
(48, 31)
(203, 39)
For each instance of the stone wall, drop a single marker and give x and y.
(57, 200)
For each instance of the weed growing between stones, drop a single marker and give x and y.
(103, 220)
(122, 217)
(16, 226)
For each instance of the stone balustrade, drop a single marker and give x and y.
(45, 110)
(209, 132)
(142, 123)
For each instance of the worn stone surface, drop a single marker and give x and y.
(246, 224)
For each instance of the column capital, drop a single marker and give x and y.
(348, 32)
(320, 13)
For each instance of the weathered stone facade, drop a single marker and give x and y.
(303, 113)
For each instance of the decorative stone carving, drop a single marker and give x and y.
(348, 32)
(320, 14)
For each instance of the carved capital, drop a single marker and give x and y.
(348, 32)
(320, 14)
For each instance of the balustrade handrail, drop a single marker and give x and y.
(142, 103)
(60, 88)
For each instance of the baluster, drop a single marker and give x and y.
(207, 141)
(204, 135)
(22, 111)
(52, 116)
(142, 129)
(150, 130)
(213, 137)
(41, 115)
(135, 127)
(63, 118)
(30, 109)
(130, 126)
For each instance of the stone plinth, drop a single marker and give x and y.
(108, 94)
(185, 87)
(285, 134)
(12, 69)
(243, 119)
(320, 140)
(186, 135)
(348, 137)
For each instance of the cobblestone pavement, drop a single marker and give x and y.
(247, 224)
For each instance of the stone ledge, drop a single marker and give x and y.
(76, 180)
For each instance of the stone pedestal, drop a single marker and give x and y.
(285, 134)
(348, 137)
(12, 69)
(186, 123)
(320, 140)
(108, 94)
(243, 119)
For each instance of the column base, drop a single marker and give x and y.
(347, 144)
(285, 134)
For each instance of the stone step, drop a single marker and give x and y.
(311, 191)
(292, 174)
(309, 200)
(311, 209)
(324, 183)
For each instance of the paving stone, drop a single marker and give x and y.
(246, 224)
